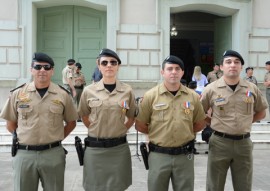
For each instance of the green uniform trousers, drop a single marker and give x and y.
(107, 169)
(268, 96)
(78, 96)
(48, 166)
(178, 168)
(226, 153)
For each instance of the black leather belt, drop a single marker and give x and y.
(104, 143)
(79, 87)
(233, 137)
(39, 147)
(168, 150)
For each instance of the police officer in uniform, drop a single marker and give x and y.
(79, 83)
(108, 110)
(235, 105)
(68, 76)
(249, 77)
(267, 82)
(215, 74)
(170, 114)
(37, 111)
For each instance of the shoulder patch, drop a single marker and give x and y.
(64, 89)
(17, 88)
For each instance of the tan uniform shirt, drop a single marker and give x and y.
(107, 111)
(251, 79)
(79, 79)
(267, 78)
(40, 120)
(67, 73)
(170, 118)
(213, 76)
(233, 110)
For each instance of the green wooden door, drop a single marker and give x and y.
(222, 37)
(89, 37)
(71, 32)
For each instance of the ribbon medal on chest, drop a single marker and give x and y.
(187, 107)
(24, 97)
(124, 107)
(248, 96)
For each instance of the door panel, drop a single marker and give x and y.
(54, 36)
(222, 36)
(89, 37)
(66, 32)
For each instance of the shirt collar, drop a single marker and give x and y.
(51, 89)
(221, 83)
(163, 89)
(100, 86)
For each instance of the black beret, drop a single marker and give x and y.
(110, 53)
(42, 57)
(249, 68)
(174, 60)
(267, 63)
(78, 65)
(234, 54)
(71, 61)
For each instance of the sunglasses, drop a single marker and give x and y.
(46, 67)
(105, 62)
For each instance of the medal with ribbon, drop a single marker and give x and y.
(124, 107)
(187, 107)
(248, 96)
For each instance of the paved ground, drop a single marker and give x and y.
(73, 179)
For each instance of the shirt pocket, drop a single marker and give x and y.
(221, 107)
(95, 105)
(249, 104)
(24, 114)
(160, 112)
(56, 113)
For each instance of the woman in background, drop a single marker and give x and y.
(199, 78)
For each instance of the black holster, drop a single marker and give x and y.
(79, 149)
(15, 144)
(190, 147)
(145, 154)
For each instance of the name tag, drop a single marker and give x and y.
(160, 104)
(220, 99)
(23, 106)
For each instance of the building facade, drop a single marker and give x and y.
(139, 31)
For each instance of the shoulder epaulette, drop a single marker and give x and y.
(64, 89)
(17, 88)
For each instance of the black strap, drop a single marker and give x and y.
(39, 147)
(168, 150)
(78, 87)
(233, 137)
(104, 143)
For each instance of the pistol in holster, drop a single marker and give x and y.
(190, 147)
(15, 144)
(145, 154)
(79, 149)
